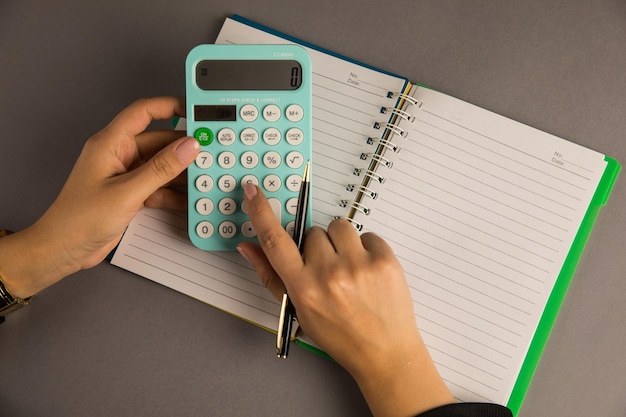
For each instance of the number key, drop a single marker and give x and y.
(226, 160)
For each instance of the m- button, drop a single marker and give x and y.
(271, 113)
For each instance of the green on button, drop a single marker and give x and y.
(204, 136)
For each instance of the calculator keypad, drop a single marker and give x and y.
(266, 147)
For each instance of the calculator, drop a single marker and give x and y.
(250, 107)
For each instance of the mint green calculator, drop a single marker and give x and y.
(249, 106)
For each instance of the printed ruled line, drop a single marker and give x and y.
(468, 363)
(343, 127)
(373, 108)
(492, 163)
(461, 162)
(255, 307)
(483, 305)
(508, 146)
(534, 266)
(465, 261)
(456, 371)
(446, 265)
(341, 139)
(577, 165)
(475, 396)
(480, 306)
(470, 214)
(476, 192)
(497, 213)
(466, 312)
(415, 214)
(383, 91)
(187, 255)
(416, 203)
(319, 178)
(478, 342)
(352, 86)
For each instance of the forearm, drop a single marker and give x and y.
(31, 260)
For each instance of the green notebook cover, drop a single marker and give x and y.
(562, 284)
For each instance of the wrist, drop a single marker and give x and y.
(31, 260)
(402, 382)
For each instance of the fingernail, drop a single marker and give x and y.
(249, 190)
(244, 254)
(187, 149)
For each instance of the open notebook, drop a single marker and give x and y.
(489, 218)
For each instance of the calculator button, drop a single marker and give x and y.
(204, 160)
(276, 206)
(204, 206)
(271, 136)
(272, 183)
(204, 136)
(205, 229)
(271, 159)
(293, 182)
(204, 183)
(247, 229)
(226, 160)
(291, 226)
(227, 183)
(249, 136)
(294, 159)
(294, 113)
(294, 136)
(227, 206)
(292, 206)
(271, 113)
(226, 136)
(227, 229)
(249, 179)
(249, 159)
(249, 113)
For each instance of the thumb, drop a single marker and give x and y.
(166, 165)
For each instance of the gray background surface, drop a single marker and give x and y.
(105, 342)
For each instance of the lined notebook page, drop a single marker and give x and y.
(482, 212)
(346, 104)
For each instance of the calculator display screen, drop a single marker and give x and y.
(217, 113)
(249, 75)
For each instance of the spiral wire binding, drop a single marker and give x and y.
(392, 127)
(355, 205)
(369, 192)
(371, 175)
(399, 112)
(377, 158)
(384, 142)
(360, 207)
(412, 100)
